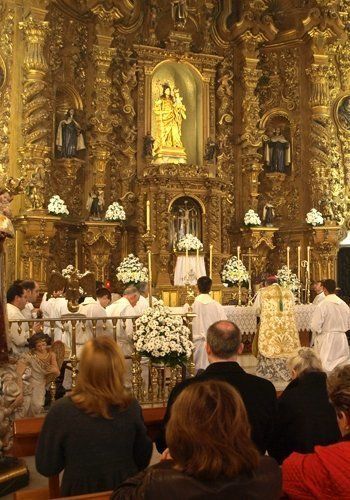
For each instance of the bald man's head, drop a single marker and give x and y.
(224, 339)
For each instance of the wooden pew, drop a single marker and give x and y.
(27, 430)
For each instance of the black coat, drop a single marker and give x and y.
(97, 454)
(162, 482)
(258, 394)
(305, 417)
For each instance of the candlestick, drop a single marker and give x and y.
(186, 261)
(308, 255)
(149, 258)
(299, 263)
(76, 254)
(197, 263)
(288, 251)
(238, 252)
(148, 216)
(210, 261)
(31, 269)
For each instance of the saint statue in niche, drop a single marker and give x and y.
(344, 113)
(69, 138)
(169, 111)
(179, 13)
(268, 215)
(277, 152)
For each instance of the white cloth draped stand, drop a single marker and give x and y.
(192, 266)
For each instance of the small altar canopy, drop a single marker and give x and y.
(188, 269)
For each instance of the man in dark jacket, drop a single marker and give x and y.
(259, 395)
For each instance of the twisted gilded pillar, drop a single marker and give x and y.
(36, 116)
(102, 120)
(251, 136)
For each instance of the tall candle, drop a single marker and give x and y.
(186, 261)
(149, 255)
(76, 255)
(210, 261)
(148, 216)
(238, 252)
(308, 254)
(288, 252)
(299, 263)
(197, 262)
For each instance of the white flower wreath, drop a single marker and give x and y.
(57, 206)
(189, 242)
(131, 270)
(162, 336)
(115, 212)
(234, 272)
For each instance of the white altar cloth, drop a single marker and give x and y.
(195, 268)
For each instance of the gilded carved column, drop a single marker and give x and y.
(102, 119)
(36, 120)
(251, 137)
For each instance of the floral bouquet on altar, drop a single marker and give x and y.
(234, 272)
(288, 279)
(162, 336)
(131, 270)
(115, 212)
(57, 206)
(251, 218)
(314, 217)
(189, 242)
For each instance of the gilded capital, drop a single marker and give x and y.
(35, 33)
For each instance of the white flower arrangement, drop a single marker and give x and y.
(162, 336)
(57, 206)
(189, 242)
(251, 218)
(314, 217)
(115, 212)
(69, 270)
(131, 270)
(288, 279)
(234, 272)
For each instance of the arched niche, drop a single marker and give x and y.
(188, 80)
(186, 216)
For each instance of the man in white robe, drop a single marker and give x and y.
(143, 302)
(320, 295)
(56, 307)
(123, 307)
(18, 334)
(92, 308)
(31, 293)
(207, 311)
(329, 322)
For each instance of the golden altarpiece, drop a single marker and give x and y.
(204, 108)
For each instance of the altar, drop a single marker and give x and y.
(188, 269)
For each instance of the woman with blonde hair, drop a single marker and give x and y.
(305, 417)
(324, 474)
(210, 452)
(96, 433)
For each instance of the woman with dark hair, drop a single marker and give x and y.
(96, 434)
(212, 455)
(324, 474)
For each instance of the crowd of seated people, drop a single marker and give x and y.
(224, 434)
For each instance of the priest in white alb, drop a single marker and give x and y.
(124, 307)
(329, 322)
(207, 311)
(143, 301)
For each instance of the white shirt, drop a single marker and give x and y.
(17, 340)
(28, 310)
(331, 315)
(143, 303)
(318, 299)
(92, 308)
(122, 308)
(208, 311)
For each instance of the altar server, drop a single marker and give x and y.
(16, 302)
(330, 321)
(320, 295)
(125, 306)
(207, 311)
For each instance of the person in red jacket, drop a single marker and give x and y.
(324, 474)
